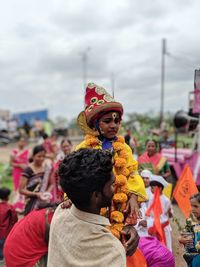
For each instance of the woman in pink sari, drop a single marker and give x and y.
(153, 160)
(19, 161)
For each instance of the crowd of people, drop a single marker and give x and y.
(92, 206)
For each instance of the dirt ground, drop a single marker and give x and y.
(177, 248)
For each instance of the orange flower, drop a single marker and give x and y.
(117, 146)
(117, 216)
(115, 232)
(124, 189)
(124, 171)
(123, 154)
(118, 226)
(91, 140)
(121, 139)
(120, 198)
(120, 180)
(103, 212)
(120, 162)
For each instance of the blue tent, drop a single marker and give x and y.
(30, 117)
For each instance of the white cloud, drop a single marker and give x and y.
(42, 42)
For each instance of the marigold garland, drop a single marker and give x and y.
(123, 189)
(117, 146)
(120, 197)
(123, 154)
(120, 162)
(121, 192)
(115, 232)
(124, 171)
(117, 216)
(103, 212)
(118, 226)
(120, 180)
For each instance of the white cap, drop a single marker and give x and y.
(146, 173)
(159, 179)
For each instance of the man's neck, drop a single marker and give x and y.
(90, 209)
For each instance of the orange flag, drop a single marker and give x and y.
(156, 208)
(184, 189)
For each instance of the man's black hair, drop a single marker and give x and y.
(83, 172)
(155, 183)
(4, 193)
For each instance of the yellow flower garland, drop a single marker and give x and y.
(121, 194)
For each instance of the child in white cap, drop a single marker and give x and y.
(146, 176)
(167, 212)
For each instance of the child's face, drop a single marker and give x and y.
(153, 187)
(195, 208)
(146, 181)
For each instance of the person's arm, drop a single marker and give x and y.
(130, 239)
(12, 163)
(51, 183)
(24, 191)
(14, 217)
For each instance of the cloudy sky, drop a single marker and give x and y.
(42, 43)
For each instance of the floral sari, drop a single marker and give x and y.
(37, 182)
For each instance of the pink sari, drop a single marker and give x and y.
(19, 157)
(154, 163)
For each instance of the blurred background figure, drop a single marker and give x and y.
(152, 160)
(19, 161)
(166, 141)
(35, 182)
(66, 148)
(8, 217)
(146, 176)
(51, 145)
(131, 141)
(33, 229)
(27, 128)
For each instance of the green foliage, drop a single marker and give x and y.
(189, 223)
(5, 176)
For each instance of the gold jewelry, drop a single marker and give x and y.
(81, 120)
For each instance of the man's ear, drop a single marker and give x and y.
(96, 196)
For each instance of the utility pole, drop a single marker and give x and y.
(85, 60)
(162, 95)
(113, 84)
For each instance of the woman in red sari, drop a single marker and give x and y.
(153, 160)
(19, 161)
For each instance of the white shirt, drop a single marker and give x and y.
(81, 239)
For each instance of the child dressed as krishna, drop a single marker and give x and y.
(100, 122)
